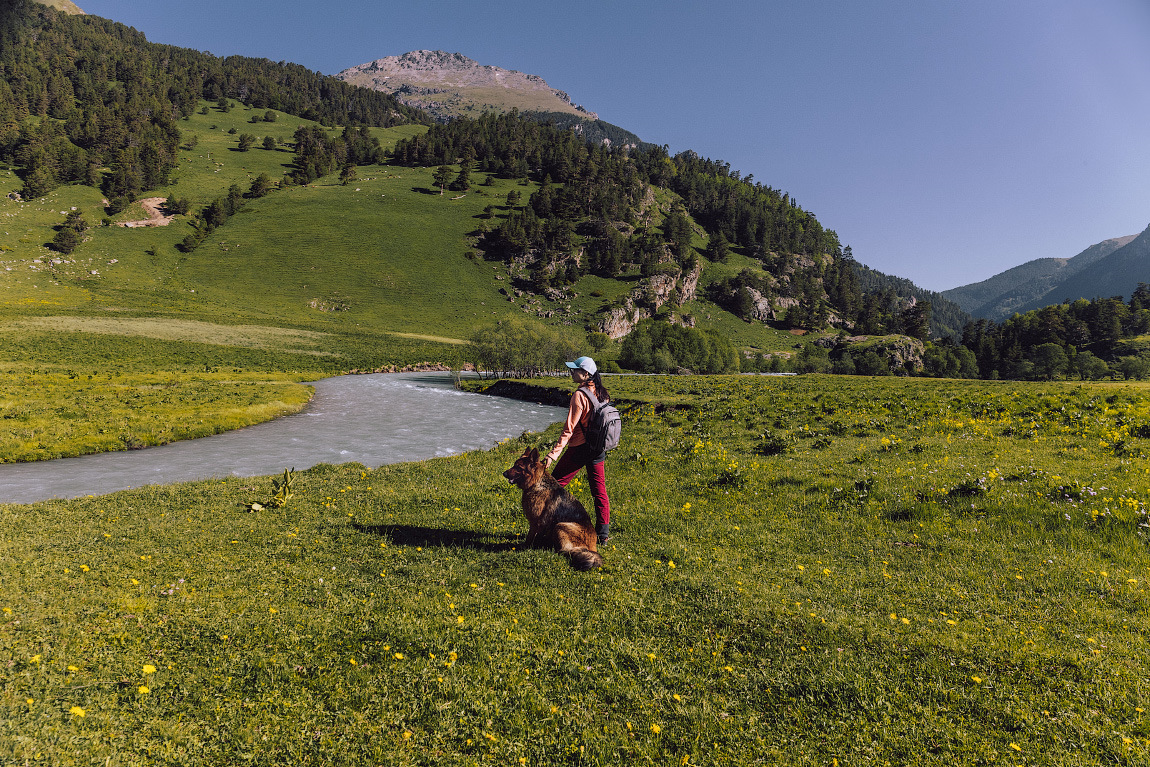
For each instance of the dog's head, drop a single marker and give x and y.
(526, 471)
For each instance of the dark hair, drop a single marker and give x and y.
(600, 390)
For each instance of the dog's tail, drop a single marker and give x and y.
(583, 558)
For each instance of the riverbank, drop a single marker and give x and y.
(371, 420)
(60, 415)
(538, 391)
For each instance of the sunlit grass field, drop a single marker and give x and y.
(74, 385)
(805, 570)
(57, 415)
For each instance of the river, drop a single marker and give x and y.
(369, 419)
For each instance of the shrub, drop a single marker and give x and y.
(771, 443)
(519, 347)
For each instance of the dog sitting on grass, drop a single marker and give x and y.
(555, 518)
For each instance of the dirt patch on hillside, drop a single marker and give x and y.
(153, 206)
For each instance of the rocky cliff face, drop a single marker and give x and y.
(67, 6)
(769, 309)
(450, 84)
(650, 295)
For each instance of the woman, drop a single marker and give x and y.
(585, 373)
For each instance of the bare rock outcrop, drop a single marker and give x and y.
(902, 353)
(652, 293)
(768, 309)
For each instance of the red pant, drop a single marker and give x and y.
(569, 464)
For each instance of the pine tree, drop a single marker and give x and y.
(442, 174)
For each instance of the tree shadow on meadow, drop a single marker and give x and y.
(415, 535)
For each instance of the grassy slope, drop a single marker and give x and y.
(932, 573)
(312, 280)
(382, 247)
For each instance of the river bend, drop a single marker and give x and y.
(369, 419)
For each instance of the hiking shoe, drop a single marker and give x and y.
(603, 533)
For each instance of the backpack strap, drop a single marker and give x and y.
(590, 397)
(594, 404)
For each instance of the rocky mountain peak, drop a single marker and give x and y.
(451, 84)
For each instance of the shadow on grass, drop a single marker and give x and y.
(414, 535)
(785, 482)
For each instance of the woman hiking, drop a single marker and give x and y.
(589, 393)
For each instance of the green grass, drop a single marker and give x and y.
(57, 415)
(73, 385)
(805, 570)
(397, 247)
(381, 255)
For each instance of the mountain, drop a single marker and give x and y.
(1116, 274)
(947, 317)
(447, 85)
(551, 225)
(450, 85)
(67, 6)
(107, 111)
(1023, 286)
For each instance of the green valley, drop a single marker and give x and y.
(877, 568)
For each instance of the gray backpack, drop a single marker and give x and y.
(603, 426)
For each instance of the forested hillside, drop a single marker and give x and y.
(885, 294)
(1020, 288)
(1116, 273)
(597, 131)
(676, 240)
(81, 94)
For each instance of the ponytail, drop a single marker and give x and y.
(600, 389)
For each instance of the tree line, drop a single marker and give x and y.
(519, 348)
(1090, 339)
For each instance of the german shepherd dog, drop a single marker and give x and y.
(555, 518)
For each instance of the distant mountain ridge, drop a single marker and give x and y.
(451, 85)
(1045, 281)
(448, 85)
(1117, 274)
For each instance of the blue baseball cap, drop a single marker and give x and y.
(584, 363)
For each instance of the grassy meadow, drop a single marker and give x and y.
(308, 281)
(74, 385)
(809, 570)
(806, 570)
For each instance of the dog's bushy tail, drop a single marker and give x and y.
(584, 559)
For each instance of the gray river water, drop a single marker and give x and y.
(371, 419)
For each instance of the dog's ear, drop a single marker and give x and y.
(534, 455)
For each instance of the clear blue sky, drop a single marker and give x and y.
(944, 141)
